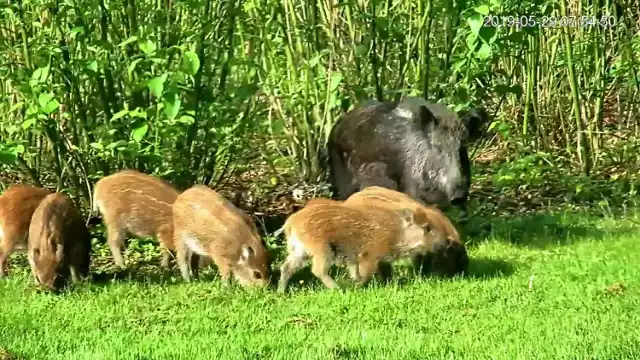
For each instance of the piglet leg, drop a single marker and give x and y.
(320, 268)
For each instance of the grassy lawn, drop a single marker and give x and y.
(582, 303)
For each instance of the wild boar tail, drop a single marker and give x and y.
(93, 219)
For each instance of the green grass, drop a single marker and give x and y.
(583, 304)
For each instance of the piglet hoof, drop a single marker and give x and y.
(226, 282)
(282, 288)
(333, 286)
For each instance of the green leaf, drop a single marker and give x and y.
(7, 157)
(116, 144)
(137, 113)
(171, 105)
(475, 23)
(132, 67)
(97, 146)
(315, 60)
(190, 62)
(156, 85)
(52, 106)
(120, 114)
(148, 47)
(44, 99)
(28, 123)
(186, 119)
(77, 30)
(336, 78)
(484, 52)
(517, 90)
(502, 89)
(139, 133)
(40, 74)
(472, 42)
(11, 129)
(482, 9)
(93, 66)
(47, 103)
(128, 41)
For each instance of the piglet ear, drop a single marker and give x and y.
(473, 120)
(406, 215)
(247, 253)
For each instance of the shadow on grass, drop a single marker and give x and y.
(486, 268)
(149, 272)
(540, 230)
(398, 275)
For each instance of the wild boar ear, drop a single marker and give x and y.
(247, 252)
(426, 117)
(473, 120)
(406, 215)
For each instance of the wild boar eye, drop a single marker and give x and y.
(257, 275)
(36, 252)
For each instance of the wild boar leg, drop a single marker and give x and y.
(75, 278)
(115, 239)
(353, 272)
(165, 238)
(3, 259)
(384, 271)
(166, 258)
(182, 257)
(292, 264)
(367, 267)
(5, 249)
(320, 268)
(33, 271)
(195, 263)
(224, 270)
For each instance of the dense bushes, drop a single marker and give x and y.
(197, 90)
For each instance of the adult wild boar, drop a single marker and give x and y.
(415, 147)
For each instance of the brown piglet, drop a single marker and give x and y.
(137, 204)
(319, 201)
(17, 205)
(449, 255)
(353, 235)
(206, 224)
(59, 242)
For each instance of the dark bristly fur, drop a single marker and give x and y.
(415, 147)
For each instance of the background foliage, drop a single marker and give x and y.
(210, 91)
